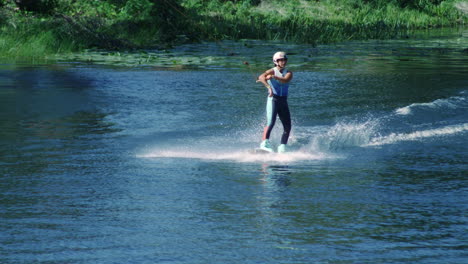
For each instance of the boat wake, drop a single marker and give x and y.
(418, 135)
(452, 103)
(416, 122)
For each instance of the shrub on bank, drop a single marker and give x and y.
(41, 27)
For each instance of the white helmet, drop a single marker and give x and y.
(279, 55)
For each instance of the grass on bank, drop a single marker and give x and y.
(131, 24)
(320, 22)
(26, 44)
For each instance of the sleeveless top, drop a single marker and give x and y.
(279, 88)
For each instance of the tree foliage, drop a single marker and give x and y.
(114, 24)
(37, 6)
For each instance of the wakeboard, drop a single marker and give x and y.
(259, 151)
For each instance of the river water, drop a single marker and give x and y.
(144, 158)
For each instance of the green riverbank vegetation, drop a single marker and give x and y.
(34, 28)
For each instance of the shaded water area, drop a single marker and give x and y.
(144, 158)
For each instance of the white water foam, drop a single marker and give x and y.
(418, 135)
(343, 135)
(314, 142)
(450, 103)
(307, 143)
(238, 156)
(217, 148)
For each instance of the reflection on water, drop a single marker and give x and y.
(276, 175)
(427, 51)
(46, 115)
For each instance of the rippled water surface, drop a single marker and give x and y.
(145, 158)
